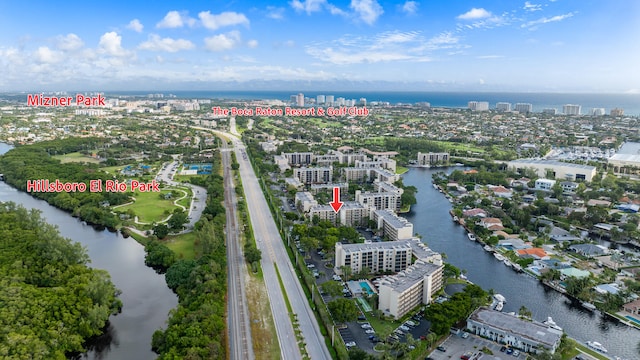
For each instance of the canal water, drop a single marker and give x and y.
(431, 219)
(146, 299)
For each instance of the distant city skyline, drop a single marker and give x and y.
(491, 45)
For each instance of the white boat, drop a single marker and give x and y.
(455, 218)
(435, 186)
(517, 267)
(588, 306)
(498, 256)
(471, 237)
(499, 306)
(552, 324)
(500, 298)
(507, 262)
(487, 248)
(596, 346)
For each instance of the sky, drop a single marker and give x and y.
(430, 45)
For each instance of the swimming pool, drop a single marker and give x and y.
(365, 285)
(633, 319)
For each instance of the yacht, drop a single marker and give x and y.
(499, 306)
(500, 298)
(498, 256)
(455, 219)
(471, 237)
(507, 262)
(588, 306)
(552, 324)
(487, 248)
(517, 267)
(596, 346)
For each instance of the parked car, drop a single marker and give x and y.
(503, 349)
(336, 278)
(509, 351)
(366, 326)
(369, 331)
(516, 353)
(441, 348)
(404, 328)
(350, 344)
(465, 335)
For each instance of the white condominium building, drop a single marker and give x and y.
(353, 214)
(379, 200)
(323, 212)
(304, 201)
(378, 257)
(299, 158)
(432, 158)
(314, 175)
(398, 294)
(570, 109)
(478, 105)
(393, 226)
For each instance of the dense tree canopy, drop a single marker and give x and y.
(51, 301)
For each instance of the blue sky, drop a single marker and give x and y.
(435, 45)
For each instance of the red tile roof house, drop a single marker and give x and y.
(476, 212)
(535, 253)
(501, 191)
(493, 224)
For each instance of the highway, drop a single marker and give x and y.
(238, 325)
(274, 253)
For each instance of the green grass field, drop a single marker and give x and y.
(76, 157)
(182, 245)
(114, 169)
(149, 207)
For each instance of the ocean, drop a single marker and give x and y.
(630, 103)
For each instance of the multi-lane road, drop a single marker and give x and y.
(239, 327)
(274, 255)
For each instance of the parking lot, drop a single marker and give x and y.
(456, 347)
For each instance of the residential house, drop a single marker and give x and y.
(493, 224)
(534, 253)
(589, 250)
(632, 307)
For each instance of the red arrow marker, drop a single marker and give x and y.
(336, 204)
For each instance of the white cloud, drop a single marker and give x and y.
(275, 12)
(252, 43)
(155, 43)
(135, 25)
(546, 20)
(475, 13)
(410, 7)
(308, 6)
(531, 7)
(227, 18)
(384, 47)
(111, 44)
(70, 42)
(222, 42)
(175, 19)
(44, 55)
(368, 10)
(334, 10)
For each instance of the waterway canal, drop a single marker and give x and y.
(431, 219)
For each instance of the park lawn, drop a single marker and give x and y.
(401, 170)
(149, 207)
(182, 245)
(113, 169)
(76, 157)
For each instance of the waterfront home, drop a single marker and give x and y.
(529, 336)
(534, 253)
(501, 191)
(559, 234)
(632, 307)
(475, 212)
(589, 250)
(571, 271)
(513, 244)
(603, 289)
(493, 224)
